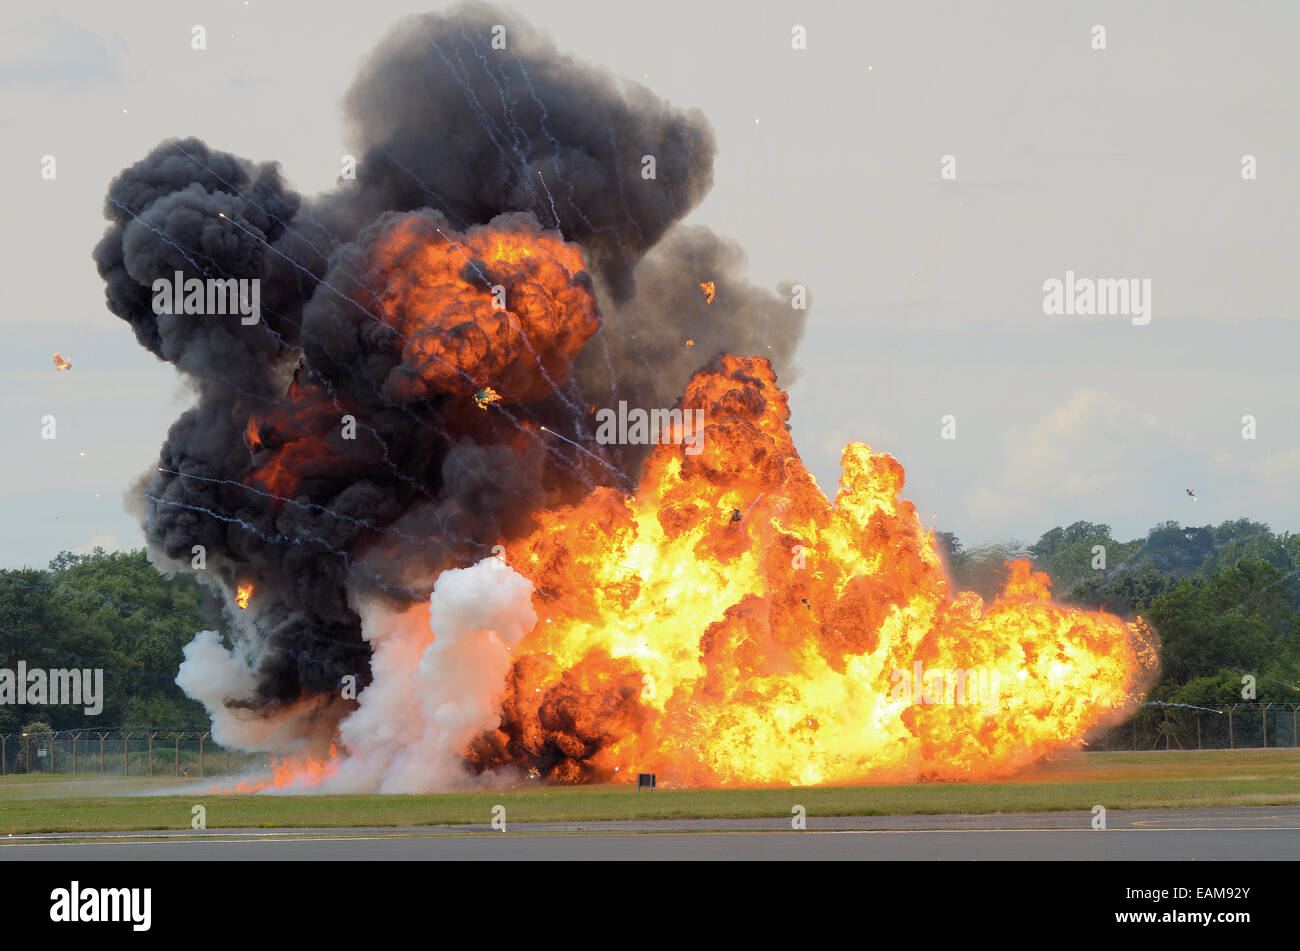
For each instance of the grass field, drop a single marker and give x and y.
(1075, 782)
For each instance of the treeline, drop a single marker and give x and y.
(1224, 599)
(111, 611)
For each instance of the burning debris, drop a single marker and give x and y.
(61, 363)
(1193, 495)
(333, 457)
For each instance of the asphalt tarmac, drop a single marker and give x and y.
(1245, 833)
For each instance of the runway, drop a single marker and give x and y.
(1263, 833)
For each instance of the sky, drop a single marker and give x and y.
(926, 293)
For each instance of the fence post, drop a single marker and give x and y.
(1232, 737)
(126, 754)
(1135, 734)
(151, 736)
(1263, 721)
(1293, 725)
(27, 753)
(52, 735)
(75, 737)
(101, 753)
(178, 753)
(4, 743)
(1198, 731)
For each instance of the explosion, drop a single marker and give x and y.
(61, 363)
(459, 578)
(766, 650)
(506, 304)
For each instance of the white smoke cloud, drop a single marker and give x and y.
(210, 673)
(439, 675)
(416, 718)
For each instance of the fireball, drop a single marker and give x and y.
(773, 648)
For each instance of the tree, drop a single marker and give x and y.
(112, 612)
(1172, 549)
(1240, 618)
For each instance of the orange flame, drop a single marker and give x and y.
(242, 593)
(499, 312)
(301, 438)
(486, 309)
(710, 289)
(305, 772)
(730, 625)
(62, 364)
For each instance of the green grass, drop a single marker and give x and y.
(1074, 782)
(65, 786)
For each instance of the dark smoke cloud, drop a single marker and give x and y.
(641, 353)
(165, 212)
(439, 119)
(450, 134)
(440, 342)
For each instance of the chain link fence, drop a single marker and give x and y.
(1186, 727)
(142, 752)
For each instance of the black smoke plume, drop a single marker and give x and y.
(449, 133)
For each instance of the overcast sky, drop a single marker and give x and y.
(927, 294)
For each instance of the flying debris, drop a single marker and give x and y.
(242, 593)
(485, 396)
(1193, 495)
(710, 290)
(61, 364)
(690, 343)
(735, 515)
